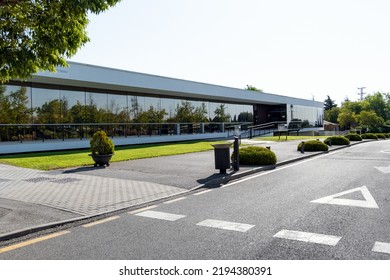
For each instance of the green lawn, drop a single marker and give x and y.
(66, 159)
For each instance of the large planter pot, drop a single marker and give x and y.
(101, 160)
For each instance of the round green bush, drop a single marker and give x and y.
(353, 137)
(256, 156)
(369, 136)
(101, 144)
(336, 140)
(313, 146)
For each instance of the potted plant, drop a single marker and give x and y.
(102, 148)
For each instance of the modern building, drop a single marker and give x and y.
(61, 110)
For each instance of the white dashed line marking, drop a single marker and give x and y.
(160, 215)
(225, 225)
(381, 247)
(308, 237)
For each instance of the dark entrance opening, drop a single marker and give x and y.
(269, 113)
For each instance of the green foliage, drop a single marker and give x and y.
(370, 119)
(220, 114)
(186, 112)
(312, 146)
(256, 156)
(332, 114)
(151, 116)
(40, 35)
(353, 137)
(380, 135)
(13, 106)
(347, 119)
(101, 144)
(336, 140)
(329, 104)
(369, 136)
(252, 88)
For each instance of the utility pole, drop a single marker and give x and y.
(361, 93)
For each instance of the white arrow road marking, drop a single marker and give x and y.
(369, 201)
(308, 237)
(225, 225)
(160, 215)
(385, 170)
(381, 247)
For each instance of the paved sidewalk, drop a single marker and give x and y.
(31, 200)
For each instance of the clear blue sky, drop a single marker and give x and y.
(300, 48)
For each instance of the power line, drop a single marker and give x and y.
(361, 93)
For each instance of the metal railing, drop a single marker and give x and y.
(263, 129)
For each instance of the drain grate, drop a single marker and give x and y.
(66, 180)
(39, 179)
(53, 180)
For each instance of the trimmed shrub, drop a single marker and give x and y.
(353, 137)
(380, 135)
(256, 156)
(313, 146)
(101, 144)
(336, 140)
(369, 136)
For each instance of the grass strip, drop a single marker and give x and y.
(74, 158)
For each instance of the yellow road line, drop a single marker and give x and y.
(32, 241)
(142, 209)
(101, 221)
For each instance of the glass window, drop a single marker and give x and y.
(47, 106)
(18, 97)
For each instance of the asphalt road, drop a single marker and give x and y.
(270, 215)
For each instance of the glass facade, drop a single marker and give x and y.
(36, 113)
(312, 115)
(53, 106)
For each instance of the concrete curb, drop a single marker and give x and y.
(210, 184)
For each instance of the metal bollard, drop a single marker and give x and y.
(236, 159)
(303, 147)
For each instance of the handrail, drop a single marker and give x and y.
(264, 125)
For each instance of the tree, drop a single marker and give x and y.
(221, 115)
(152, 115)
(347, 119)
(329, 104)
(13, 106)
(250, 87)
(332, 114)
(370, 119)
(377, 103)
(40, 35)
(186, 112)
(54, 111)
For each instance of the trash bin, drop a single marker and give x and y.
(222, 157)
